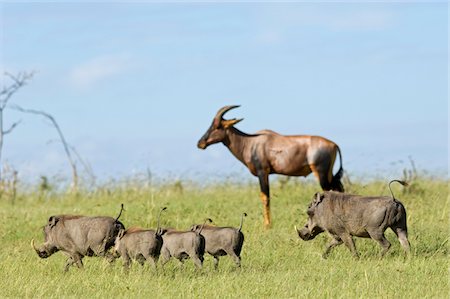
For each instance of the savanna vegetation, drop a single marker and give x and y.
(275, 262)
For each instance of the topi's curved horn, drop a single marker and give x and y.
(222, 111)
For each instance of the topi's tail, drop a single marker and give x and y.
(336, 184)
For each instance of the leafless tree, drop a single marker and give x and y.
(86, 166)
(74, 185)
(6, 92)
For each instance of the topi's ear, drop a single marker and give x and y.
(226, 123)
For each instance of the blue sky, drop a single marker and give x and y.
(135, 85)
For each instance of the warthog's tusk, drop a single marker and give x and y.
(32, 245)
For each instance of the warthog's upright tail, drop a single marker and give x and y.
(203, 225)
(120, 213)
(158, 228)
(242, 221)
(403, 183)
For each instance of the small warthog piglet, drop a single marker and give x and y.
(221, 241)
(182, 245)
(139, 244)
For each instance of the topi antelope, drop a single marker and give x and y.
(268, 152)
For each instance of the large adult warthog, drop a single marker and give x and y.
(79, 236)
(220, 241)
(344, 216)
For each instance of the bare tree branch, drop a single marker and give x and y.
(5, 95)
(61, 137)
(20, 80)
(13, 126)
(87, 167)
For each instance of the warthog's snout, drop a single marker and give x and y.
(304, 233)
(115, 253)
(41, 253)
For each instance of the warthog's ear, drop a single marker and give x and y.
(195, 227)
(318, 198)
(52, 221)
(121, 233)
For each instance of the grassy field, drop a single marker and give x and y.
(275, 263)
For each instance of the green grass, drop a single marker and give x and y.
(275, 263)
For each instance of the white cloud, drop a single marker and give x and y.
(87, 74)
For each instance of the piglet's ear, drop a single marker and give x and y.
(121, 233)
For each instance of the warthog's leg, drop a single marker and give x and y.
(74, 259)
(402, 236)
(197, 261)
(165, 256)
(69, 263)
(151, 260)
(110, 257)
(79, 262)
(101, 250)
(126, 261)
(348, 241)
(235, 257)
(334, 242)
(141, 261)
(381, 239)
(216, 262)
